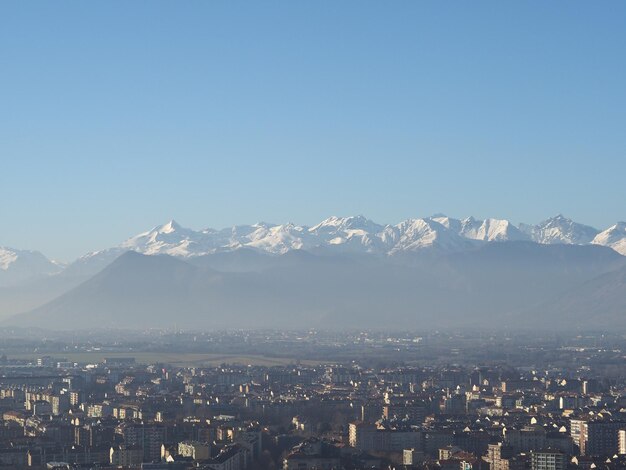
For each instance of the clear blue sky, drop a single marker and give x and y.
(117, 116)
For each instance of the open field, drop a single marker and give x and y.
(175, 359)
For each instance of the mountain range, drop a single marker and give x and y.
(342, 234)
(436, 271)
(359, 234)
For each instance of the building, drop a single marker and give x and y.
(126, 456)
(412, 457)
(313, 454)
(233, 457)
(148, 437)
(532, 437)
(369, 438)
(600, 438)
(548, 460)
(194, 449)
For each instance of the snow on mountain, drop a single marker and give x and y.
(491, 230)
(488, 230)
(279, 239)
(560, 229)
(449, 222)
(339, 233)
(21, 265)
(7, 258)
(355, 234)
(334, 225)
(419, 234)
(613, 237)
(171, 239)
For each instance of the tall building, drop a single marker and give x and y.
(548, 460)
(149, 437)
(125, 456)
(600, 438)
(531, 437)
(498, 455)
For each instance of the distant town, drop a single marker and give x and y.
(234, 400)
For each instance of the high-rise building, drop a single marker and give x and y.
(600, 438)
(548, 460)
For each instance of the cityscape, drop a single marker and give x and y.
(175, 399)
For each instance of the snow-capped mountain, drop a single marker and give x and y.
(419, 234)
(613, 237)
(21, 265)
(561, 230)
(355, 234)
(491, 230)
(28, 278)
(278, 239)
(350, 234)
(353, 225)
(468, 261)
(171, 239)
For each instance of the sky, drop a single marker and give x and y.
(117, 116)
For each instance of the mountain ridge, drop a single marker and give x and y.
(512, 282)
(357, 233)
(353, 234)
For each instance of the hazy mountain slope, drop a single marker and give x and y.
(303, 290)
(17, 266)
(300, 289)
(133, 287)
(28, 295)
(599, 304)
(94, 262)
(508, 277)
(242, 260)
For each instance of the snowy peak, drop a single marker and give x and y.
(360, 234)
(614, 233)
(560, 229)
(448, 222)
(420, 234)
(169, 238)
(335, 224)
(277, 239)
(488, 230)
(613, 237)
(357, 234)
(169, 227)
(491, 230)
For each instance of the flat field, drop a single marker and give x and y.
(175, 359)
